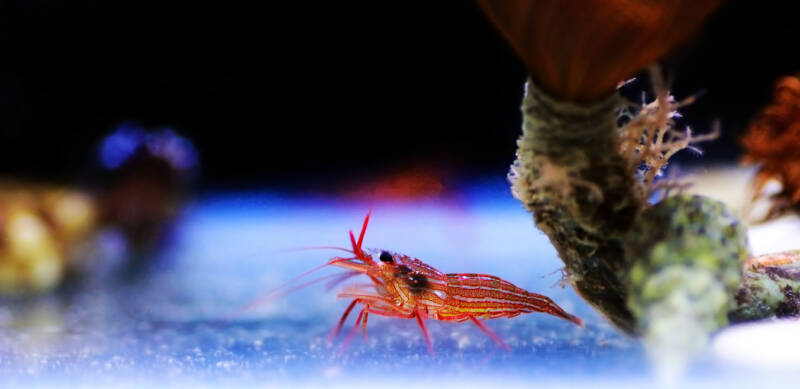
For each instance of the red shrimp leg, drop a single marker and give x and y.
(424, 332)
(355, 328)
(415, 314)
(378, 303)
(339, 325)
(489, 332)
(364, 324)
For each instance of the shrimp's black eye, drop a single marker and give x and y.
(386, 257)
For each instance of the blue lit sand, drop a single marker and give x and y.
(172, 329)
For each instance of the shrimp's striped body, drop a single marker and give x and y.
(406, 287)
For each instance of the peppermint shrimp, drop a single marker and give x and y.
(405, 287)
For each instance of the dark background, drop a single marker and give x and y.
(279, 93)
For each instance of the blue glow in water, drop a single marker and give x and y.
(129, 138)
(179, 151)
(120, 145)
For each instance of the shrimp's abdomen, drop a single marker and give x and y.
(487, 296)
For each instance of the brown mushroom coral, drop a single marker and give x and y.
(580, 50)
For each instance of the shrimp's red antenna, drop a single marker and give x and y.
(357, 245)
(363, 229)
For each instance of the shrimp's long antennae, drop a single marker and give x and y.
(309, 248)
(338, 278)
(278, 293)
(261, 253)
(342, 278)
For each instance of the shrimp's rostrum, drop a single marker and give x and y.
(406, 287)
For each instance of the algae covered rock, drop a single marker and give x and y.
(686, 253)
(770, 287)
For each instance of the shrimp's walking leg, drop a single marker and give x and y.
(352, 332)
(364, 324)
(339, 325)
(424, 331)
(489, 332)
